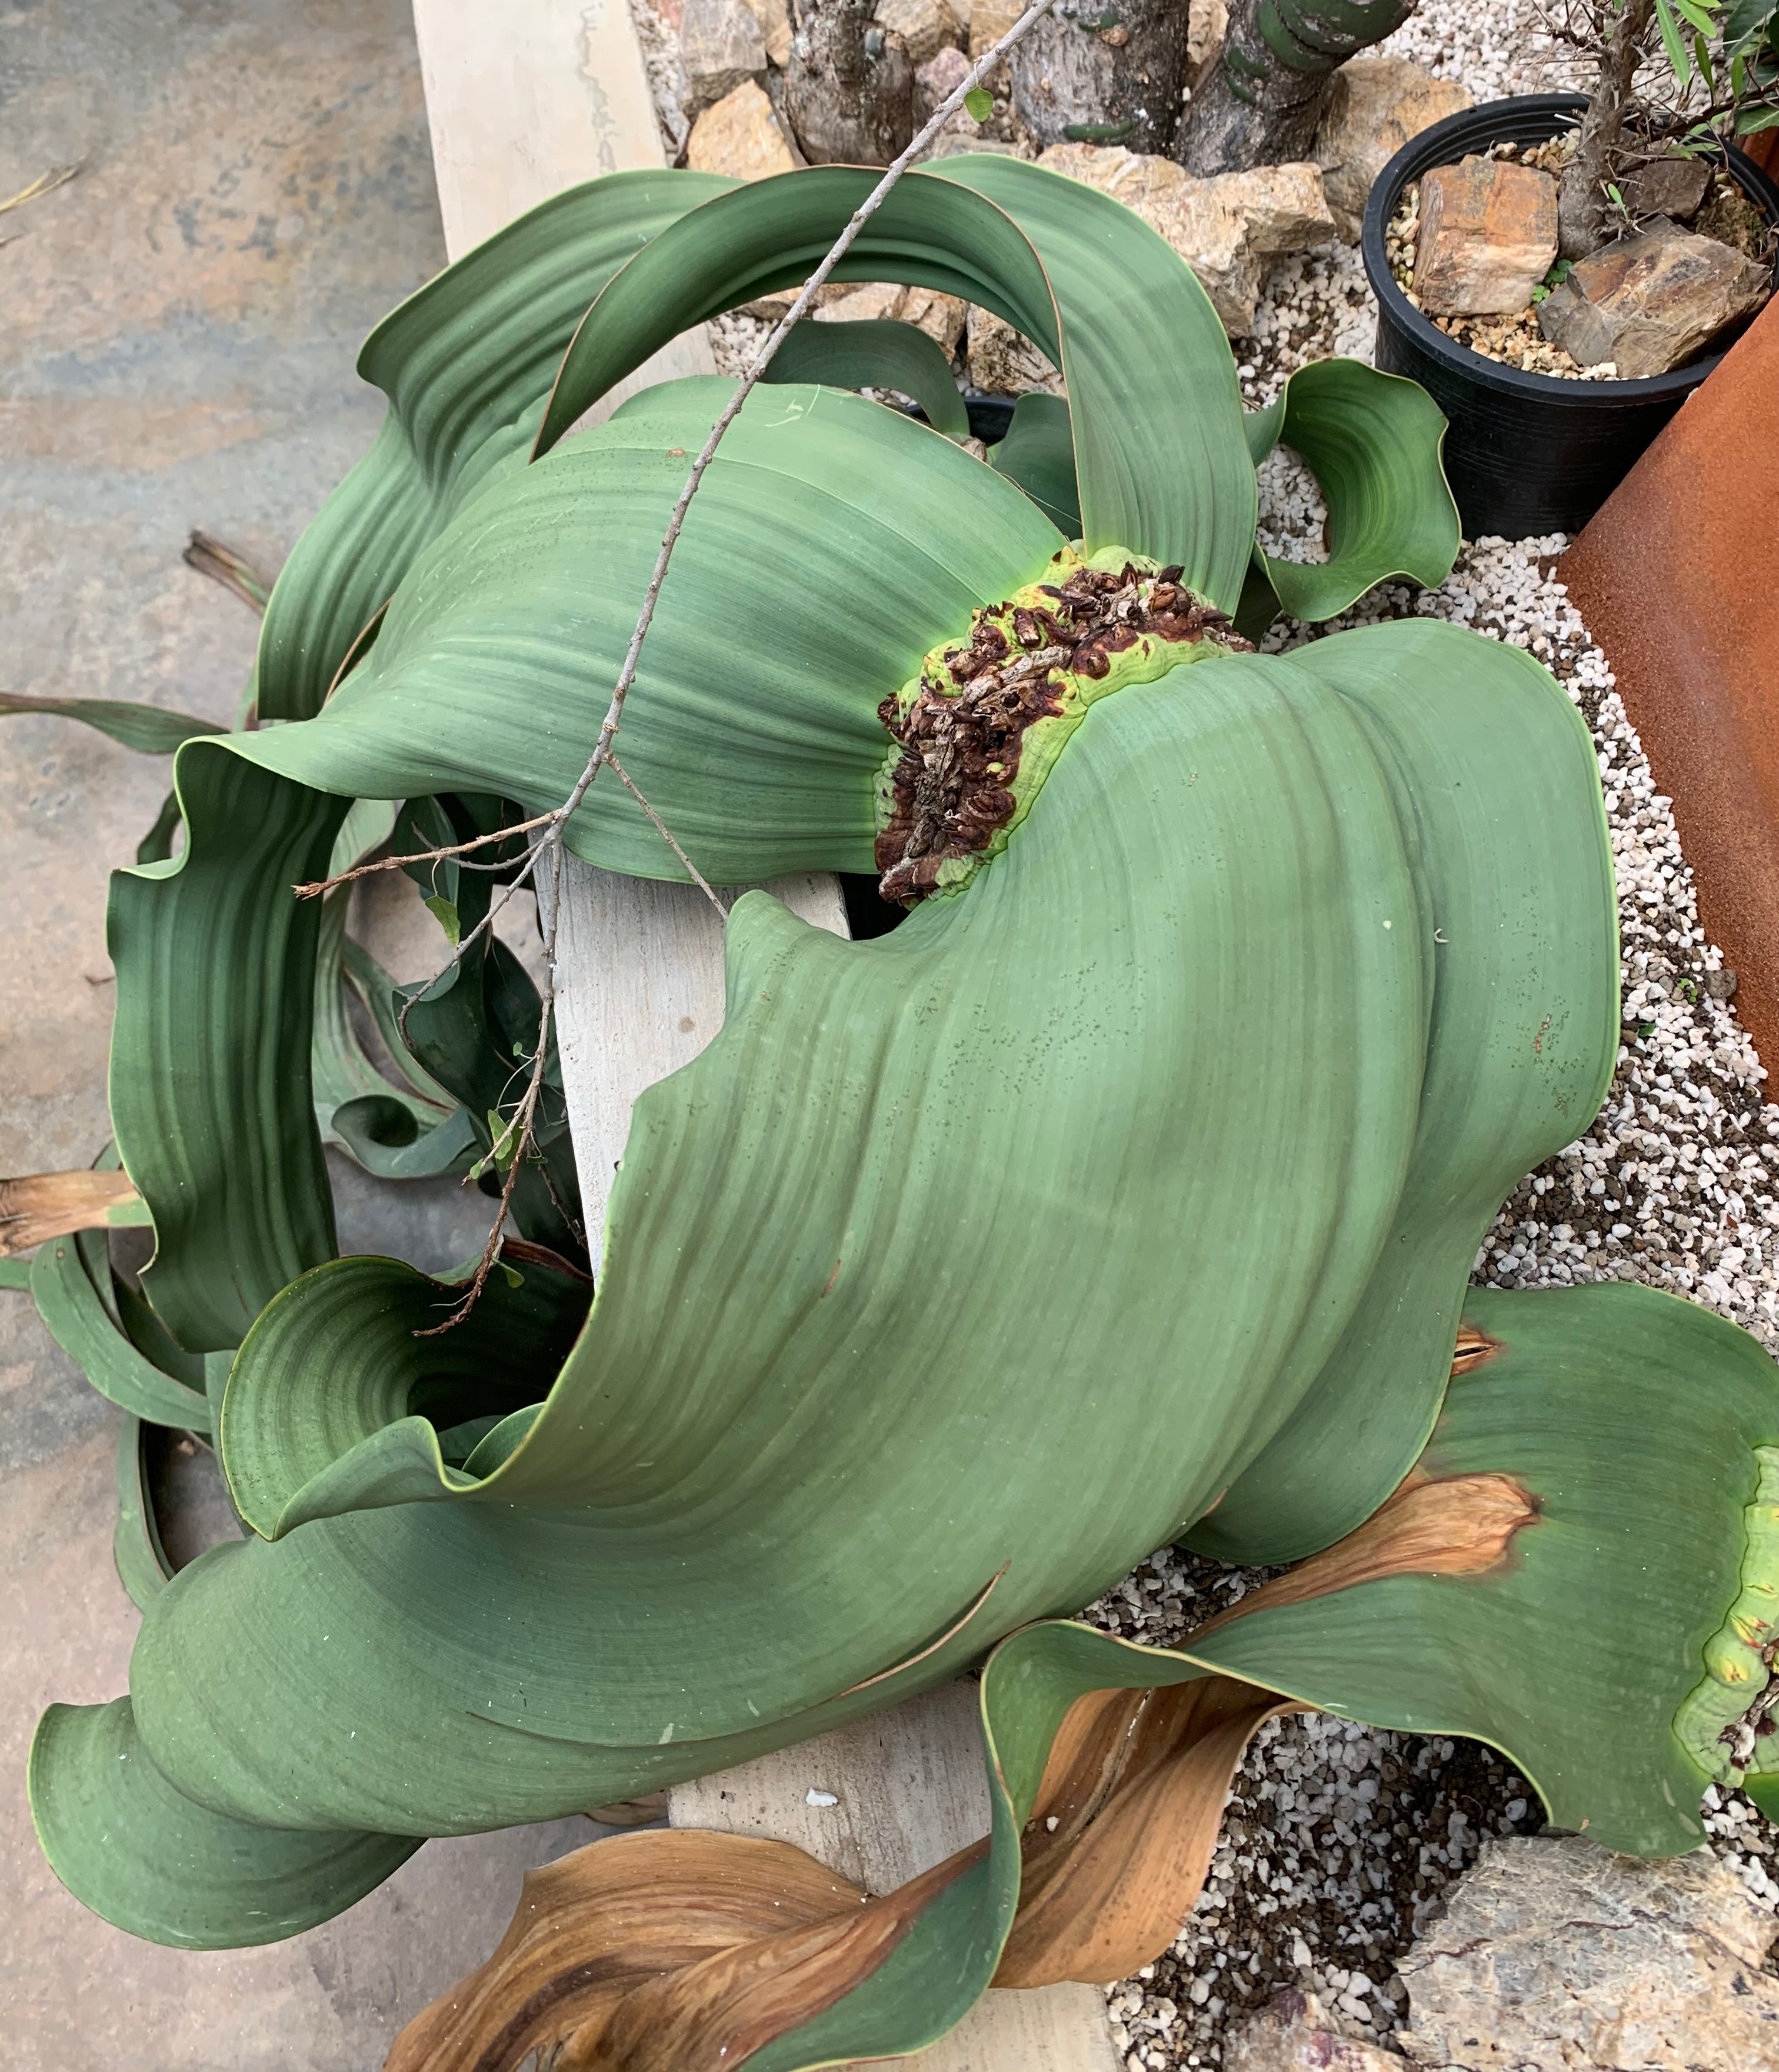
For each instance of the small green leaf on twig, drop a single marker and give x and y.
(979, 104)
(443, 912)
(1678, 59)
(504, 1149)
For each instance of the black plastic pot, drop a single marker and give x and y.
(1526, 453)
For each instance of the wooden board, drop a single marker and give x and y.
(523, 100)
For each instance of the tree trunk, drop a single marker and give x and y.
(1110, 73)
(1260, 103)
(849, 86)
(1581, 196)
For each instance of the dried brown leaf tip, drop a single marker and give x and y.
(39, 1206)
(665, 1951)
(1122, 1830)
(223, 564)
(1451, 1525)
(981, 725)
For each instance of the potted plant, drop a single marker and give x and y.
(1632, 181)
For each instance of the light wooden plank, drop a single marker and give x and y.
(523, 100)
(639, 994)
(526, 98)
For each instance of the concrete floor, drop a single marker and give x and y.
(180, 323)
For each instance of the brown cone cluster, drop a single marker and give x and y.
(961, 738)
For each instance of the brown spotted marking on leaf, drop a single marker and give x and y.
(1472, 1348)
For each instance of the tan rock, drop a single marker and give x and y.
(1207, 23)
(740, 136)
(989, 20)
(1555, 1955)
(941, 317)
(1004, 362)
(1229, 229)
(1652, 301)
(1294, 2033)
(720, 46)
(1374, 105)
(1488, 238)
(926, 25)
(773, 17)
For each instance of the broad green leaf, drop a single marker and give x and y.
(141, 1561)
(376, 990)
(876, 353)
(147, 728)
(1494, 772)
(1159, 450)
(381, 1133)
(129, 1846)
(817, 1302)
(1373, 442)
(390, 1386)
(344, 1073)
(1584, 1657)
(211, 1096)
(76, 1317)
(466, 363)
(1745, 18)
(1038, 454)
(770, 234)
(1546, 1488)
(1151, 383)
(753, 728)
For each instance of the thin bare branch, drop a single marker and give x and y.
(628, 782)
(324, 885)
(519, 1135)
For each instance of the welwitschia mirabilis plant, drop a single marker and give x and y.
(1128, 1191)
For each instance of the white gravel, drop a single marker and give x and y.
(1492, 50)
